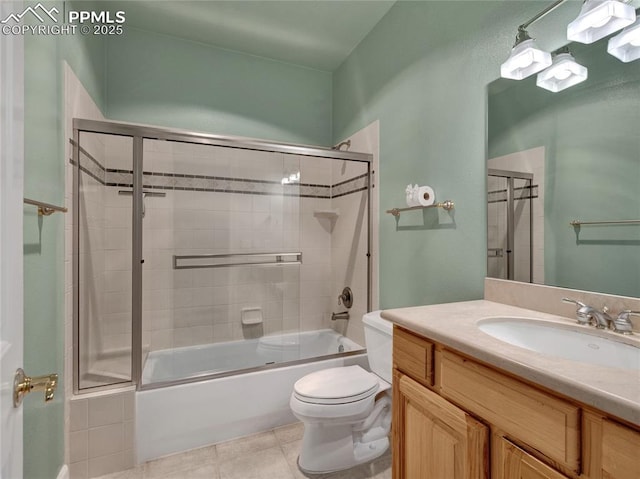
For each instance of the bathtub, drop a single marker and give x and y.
(186, 416)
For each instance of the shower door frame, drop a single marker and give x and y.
(510, 176)
(139, 133)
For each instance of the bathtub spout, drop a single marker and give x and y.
(343, 315)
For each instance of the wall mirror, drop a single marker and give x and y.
(557, 158)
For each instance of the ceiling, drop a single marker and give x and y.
(317, 34)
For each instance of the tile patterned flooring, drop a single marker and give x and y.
(268, 455)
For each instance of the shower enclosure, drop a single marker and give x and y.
(510, 225)
(201, 256)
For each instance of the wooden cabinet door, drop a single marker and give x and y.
(433, 439)
(510, 462)
(610, 450)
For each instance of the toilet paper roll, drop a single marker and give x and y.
(425, 196)
(409, 194)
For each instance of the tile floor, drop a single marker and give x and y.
(268, 455)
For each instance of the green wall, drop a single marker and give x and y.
(162, 80)
(592, 148)
(423, 72)
(44, 273)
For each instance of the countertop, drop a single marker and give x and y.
(614, 391)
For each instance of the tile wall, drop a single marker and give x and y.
(101, 434)
(349, 240)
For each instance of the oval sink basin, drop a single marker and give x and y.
(563, 341)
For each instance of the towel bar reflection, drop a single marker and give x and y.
(45, 209)
(242, 259)
(619, 222)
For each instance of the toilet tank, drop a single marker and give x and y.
(378, 336)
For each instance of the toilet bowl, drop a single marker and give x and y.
(346, 411)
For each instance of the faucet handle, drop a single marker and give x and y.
(622, 324)
(580, 304)
(584, 313)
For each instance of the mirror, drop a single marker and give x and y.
(554, 158)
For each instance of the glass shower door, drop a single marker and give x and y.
(103, 235)
(222, 257)
(509, 225)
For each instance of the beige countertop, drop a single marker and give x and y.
(612, 390)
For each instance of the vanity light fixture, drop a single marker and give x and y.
(526, 58)
(599, 18)
(625, 46)
(563, 73)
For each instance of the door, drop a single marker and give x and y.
(11, 186)
(433, 438)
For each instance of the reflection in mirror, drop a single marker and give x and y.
(581, 149)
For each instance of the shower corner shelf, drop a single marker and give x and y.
(330, 214)
(446, 205)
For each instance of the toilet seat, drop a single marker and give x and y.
(336, 386)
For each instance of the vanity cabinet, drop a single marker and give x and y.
(454, 417)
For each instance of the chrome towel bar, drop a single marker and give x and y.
(150, 194)
(45, 209)
(223, 260)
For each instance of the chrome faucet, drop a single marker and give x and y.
(342, 315)
(622, 324)
(588, 315)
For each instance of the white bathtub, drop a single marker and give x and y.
(179, 363)
(182, 417)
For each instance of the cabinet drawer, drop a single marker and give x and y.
(511, 462)
(543, 422)
(413, 356)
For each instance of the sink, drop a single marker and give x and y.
(563, 341)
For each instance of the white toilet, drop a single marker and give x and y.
(347, 411)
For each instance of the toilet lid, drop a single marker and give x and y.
(336, 385)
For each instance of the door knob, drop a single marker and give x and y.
(23, 385)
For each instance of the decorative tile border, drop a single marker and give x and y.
(182, 182)
(358, 183)
(91, 166)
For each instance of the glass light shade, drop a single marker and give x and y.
(525, 60)
(626, 45)
(564, 73)
(599, 18)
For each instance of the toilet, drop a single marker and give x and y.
(346, 411)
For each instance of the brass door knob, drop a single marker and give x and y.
(23, 385)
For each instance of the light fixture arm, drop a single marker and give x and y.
(541, 14)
